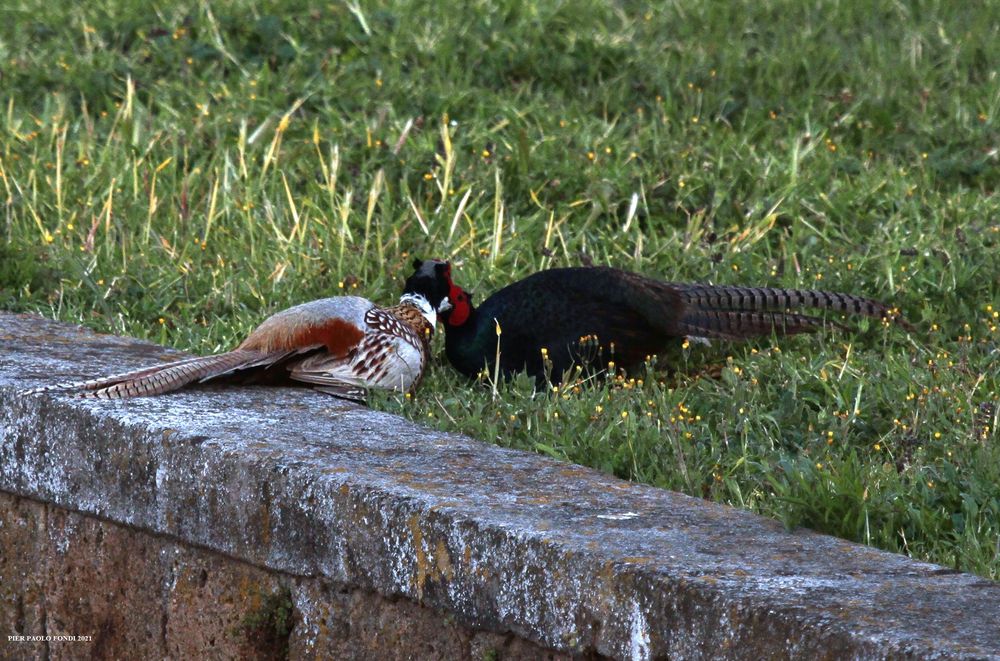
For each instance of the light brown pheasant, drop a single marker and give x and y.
(341, 346)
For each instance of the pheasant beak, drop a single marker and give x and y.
(445, 305)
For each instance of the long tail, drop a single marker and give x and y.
(731, 312)
(161, 378)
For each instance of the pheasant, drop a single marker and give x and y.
(553, 319)
(339, 345)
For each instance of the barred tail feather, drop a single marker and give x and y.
(158, 379)
(762, 299)
(104, 382)
(737, 324)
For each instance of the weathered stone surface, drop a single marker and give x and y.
(295, 482)
(144, 596)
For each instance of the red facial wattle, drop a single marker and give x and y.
(460, 306)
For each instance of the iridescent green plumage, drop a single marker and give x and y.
(569, 312)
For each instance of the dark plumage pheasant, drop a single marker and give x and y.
(341, 345)
(553, 319)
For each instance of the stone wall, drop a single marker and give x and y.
(256, 521)
(144, 596)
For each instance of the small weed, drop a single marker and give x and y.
(269, 627)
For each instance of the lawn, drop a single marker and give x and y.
(178, 173)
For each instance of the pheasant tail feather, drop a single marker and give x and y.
(735, 325)
(159, 379)
(770, 302)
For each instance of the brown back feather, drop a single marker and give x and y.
(413, 318)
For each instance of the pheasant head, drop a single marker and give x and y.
(432, 279)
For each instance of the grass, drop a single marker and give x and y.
(179, 173)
